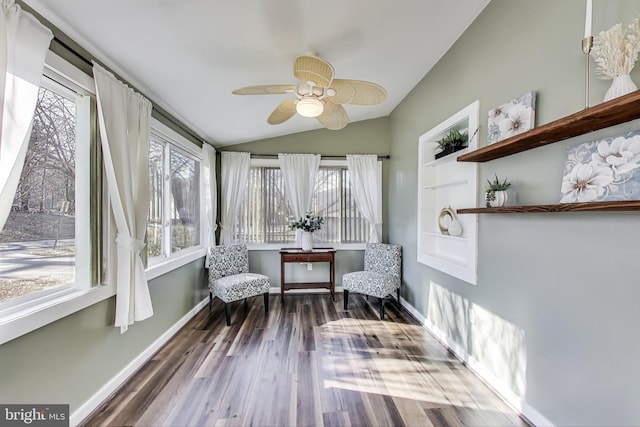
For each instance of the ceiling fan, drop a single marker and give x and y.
(318, 94)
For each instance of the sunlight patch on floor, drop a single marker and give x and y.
(379, 371)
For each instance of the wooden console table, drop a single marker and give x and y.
(297, 255)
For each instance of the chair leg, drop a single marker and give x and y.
(227, 313)
(210, 300)
(266, 302)
(381, 308)
(346, 299)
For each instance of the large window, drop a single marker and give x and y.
(265, 215)
(173, 221)
(49, 241)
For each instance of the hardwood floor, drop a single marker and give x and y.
(305, 363)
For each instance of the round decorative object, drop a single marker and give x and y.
(621, 85)
(306, 241)
(455, 229)
(447, 216)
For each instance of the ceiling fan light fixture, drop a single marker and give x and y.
(309, 107)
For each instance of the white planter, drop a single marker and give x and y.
(621, 85)
(306, 241)
(502, 197)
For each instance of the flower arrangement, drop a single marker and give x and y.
(308, 223)
(616, 50)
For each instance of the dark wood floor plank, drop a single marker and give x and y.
(307, 362)
(330, 397)
(336, 419)
(308, 401)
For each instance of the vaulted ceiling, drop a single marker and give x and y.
(189, 55)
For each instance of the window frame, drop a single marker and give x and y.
(270, 162)
(158, 266)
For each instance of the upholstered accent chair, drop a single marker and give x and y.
(381, 275)
(230, 280)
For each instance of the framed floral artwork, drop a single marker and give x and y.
(512, 118)
(607, 169)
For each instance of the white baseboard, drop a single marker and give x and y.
(516, 403)
(96, 400)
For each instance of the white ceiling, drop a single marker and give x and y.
(188, 55)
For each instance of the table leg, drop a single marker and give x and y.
(333, 280)
(281, 281)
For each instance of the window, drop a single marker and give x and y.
(51, 248)
(48, 243)
(173, 220)
(265, 215)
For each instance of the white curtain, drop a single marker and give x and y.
(366, 187)
(23, 47)
(210, 195)
(234, 170)
(299, 175)
(124, 118)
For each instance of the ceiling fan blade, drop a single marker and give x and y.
(334, 116)
(283, 112)
(309, 68)
(264, 90)
(357, 92)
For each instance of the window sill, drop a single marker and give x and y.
(164, 266)
(21, 319)
(278, 246)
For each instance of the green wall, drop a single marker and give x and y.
(364, 137)
(70, 360)
(554, 312)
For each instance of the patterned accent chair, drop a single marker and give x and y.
(381, 275)
(230, 280)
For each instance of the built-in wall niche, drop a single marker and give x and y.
(446, 185)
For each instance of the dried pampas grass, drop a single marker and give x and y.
(616, 50)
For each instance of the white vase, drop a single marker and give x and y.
(306, 241)
(621, 85)
(503, 198)
(455, 228)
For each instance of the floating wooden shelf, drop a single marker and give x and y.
(610, 113)
(626, 205)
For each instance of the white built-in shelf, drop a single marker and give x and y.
(448, 158)
(444, 236)
(446, 184)
(443, 183)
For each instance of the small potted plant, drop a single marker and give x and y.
(453, 141)
(496, 192)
